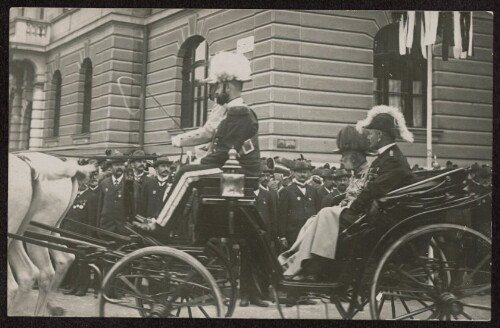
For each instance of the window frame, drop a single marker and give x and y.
(194, 104)
(57, 85)
(87, 72)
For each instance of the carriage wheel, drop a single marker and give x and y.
(160, 281)
(220, 268)
(440, 272)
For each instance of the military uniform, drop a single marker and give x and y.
(239, 130)
(295, 208)
(83, 210)
(389, 171)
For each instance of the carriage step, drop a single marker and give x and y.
(311, 286)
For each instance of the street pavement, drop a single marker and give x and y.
(87, 306)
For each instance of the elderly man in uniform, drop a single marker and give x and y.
(298, 202)
(390, 170)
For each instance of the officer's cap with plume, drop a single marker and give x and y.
(388, 119)
(228, 66)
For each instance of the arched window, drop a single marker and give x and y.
(57, 84)
(86, 71)
(194, 94)
(399, 81)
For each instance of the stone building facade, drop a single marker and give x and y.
(84, 80)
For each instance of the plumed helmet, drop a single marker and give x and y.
(388, 119)
(350, 139)
(229, 66)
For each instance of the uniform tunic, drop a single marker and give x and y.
(83, 210)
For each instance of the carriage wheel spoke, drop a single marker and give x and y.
(466, 315)
(179, 309)
(422, 264)
(130, 285)
(477, 306)
(381, 305)
(405, 306)
(204, 312)
(393, 307)
(413, 281)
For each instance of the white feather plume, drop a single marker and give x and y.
(399, 120)
(228, 66)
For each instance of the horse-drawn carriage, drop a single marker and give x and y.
(417, 254)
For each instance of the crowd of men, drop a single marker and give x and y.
(290, 192)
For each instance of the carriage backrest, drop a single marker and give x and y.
(432, 184)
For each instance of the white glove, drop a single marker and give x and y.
(176, 141)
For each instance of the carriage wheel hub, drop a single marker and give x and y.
(450, 303)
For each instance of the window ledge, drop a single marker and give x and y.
(420, 134)
(81, 138)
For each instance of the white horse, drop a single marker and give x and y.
(41, 188)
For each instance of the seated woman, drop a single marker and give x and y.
(389, 171)
(317, 234)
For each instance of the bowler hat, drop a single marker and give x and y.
(116, 157)
(301, 164)
(138, 153)
(162, 160)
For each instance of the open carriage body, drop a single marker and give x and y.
(422, 253)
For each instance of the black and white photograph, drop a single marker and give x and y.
(250, 163)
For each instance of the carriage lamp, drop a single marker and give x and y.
(232, 183)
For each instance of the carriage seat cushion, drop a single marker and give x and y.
(429, 183)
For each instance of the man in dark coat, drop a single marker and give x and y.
(140, 177)
(83, 210)
(341, 178)
(113, 209)
(389, 171)
(155, 189)
(297, 203)
(326, 187)
(267, 201)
